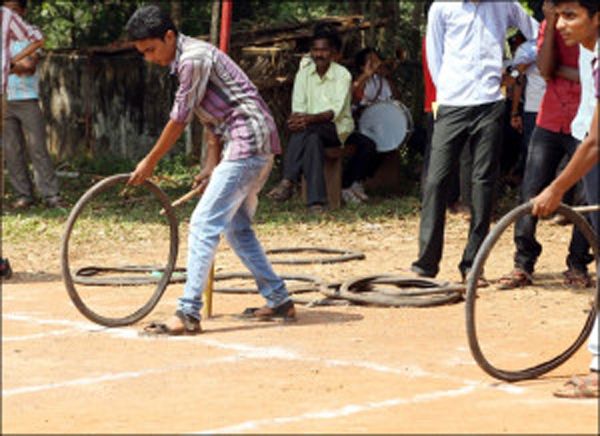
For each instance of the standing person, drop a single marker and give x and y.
(25, 129)
(320, 119)
(579, 22)
(551, 141)
(465, 42)
(458, 181)
(528, 79)
(13, 29)
(242, 140)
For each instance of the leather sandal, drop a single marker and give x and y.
(577, 278)
(282, 192)
(191, 326)
(517, 278)
(285, 311)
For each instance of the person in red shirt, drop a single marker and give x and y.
(551, 141)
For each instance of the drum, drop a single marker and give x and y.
(387, 123)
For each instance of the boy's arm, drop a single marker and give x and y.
(168, 137)
(21, 30)
(27, 51)
(214, 146)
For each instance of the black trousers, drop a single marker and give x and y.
(305, 155)
(364, 161)
(481, 128)
(545, 152)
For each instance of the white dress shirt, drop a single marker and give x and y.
(582, 121)
(465, 42)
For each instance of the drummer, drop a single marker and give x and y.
(370, 86)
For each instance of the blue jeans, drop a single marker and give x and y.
(546, 150)
(228, 205)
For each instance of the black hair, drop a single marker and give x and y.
(590, 5)
(22, 3)
(149, 22)
(326, 31)
(360, 60)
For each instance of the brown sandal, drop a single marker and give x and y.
(190, 326)
(286, 311)
(516, 279)
(282, 192)
(577, 278)
(579, 387)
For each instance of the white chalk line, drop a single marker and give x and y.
(347, 410)
(36, 335)
(110, 377)
(243, 351)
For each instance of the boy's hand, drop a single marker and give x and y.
(546, 202)
(143, 171)
(203, 177)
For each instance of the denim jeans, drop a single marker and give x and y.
(546, 150)
(591, 182)
(228, 205)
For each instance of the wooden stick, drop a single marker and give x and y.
(196, 192)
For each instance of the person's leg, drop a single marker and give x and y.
(449, 136)
(528, 126)
(579, 248)
(242, 239)
(318, 137)
(14, 152)
(544, 155)
(226, 191)
(485, 141)
(32, 122)
(591, 184)
(465, 172)
(429, 123)
(294, 156)
(362, 163)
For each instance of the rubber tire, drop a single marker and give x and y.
(438, 293)
(140, 313)
(471, 296)
(342, 255)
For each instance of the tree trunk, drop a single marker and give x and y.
(176, 12)
(214, 22)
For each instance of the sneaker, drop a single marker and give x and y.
(349, 196)
(359, 190)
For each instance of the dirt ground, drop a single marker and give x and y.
(339, 369)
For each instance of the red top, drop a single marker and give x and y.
(561, 99)
(429, 86)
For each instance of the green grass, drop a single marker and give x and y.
(174, 176)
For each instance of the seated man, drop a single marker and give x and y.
(371, 86)
(320, 119)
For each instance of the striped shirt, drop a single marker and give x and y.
(220, 94)
(24, 86)
(14, 28)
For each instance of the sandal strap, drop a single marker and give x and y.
(190, 323)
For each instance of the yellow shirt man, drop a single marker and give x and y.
(313, 94)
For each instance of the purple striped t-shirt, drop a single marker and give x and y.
(215, 89)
